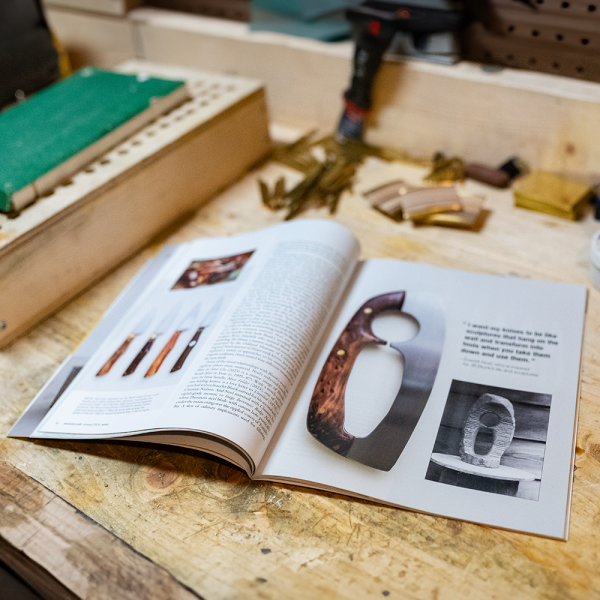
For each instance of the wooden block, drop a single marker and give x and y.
(92, 39)
(107, 7)
(66, 241)
(553, 122)
(553, 194)
(39, 527)
(65, 126)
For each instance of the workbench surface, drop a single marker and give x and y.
(126, 521)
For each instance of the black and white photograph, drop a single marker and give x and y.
(491, 439)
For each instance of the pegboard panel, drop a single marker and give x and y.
(558, 36)
(210, 95)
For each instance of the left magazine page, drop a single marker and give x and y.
(137, 373)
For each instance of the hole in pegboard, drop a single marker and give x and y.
(122, 151)
(136, 143)
(89, 170)
(561, 39)
(105, 161)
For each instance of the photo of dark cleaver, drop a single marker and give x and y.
(384, 445)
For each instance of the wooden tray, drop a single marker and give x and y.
(66, 241)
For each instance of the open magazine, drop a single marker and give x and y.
(446, 392)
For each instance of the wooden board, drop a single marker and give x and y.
(219, 535)
(480, 115)
(108, 7)
(92, 39)
(65, 241)
(484, 115)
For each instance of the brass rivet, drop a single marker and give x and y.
(341, 352)
(368, 311)
(321, 411)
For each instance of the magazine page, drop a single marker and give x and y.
(215, 343)
(446, 392)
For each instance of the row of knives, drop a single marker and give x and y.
(187, 323)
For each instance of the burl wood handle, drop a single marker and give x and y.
(138, 359)
(326, 412)
(115, 357)
(187, 350)
(495, 177)
(158, 361)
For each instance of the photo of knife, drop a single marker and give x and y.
(422, 354)
(137, 330)
(186, 324)
(162, 327)
(206, 322)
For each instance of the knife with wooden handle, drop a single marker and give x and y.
(137, 330)
(162, 327)
(327, 407)
(184, 325)
(384, 445)
(208, 320)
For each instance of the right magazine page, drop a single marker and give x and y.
(447, 392)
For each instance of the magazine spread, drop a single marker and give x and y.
(442, 391)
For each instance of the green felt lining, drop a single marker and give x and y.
(60, 121)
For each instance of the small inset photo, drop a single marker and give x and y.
(214, 270)
(491, 439)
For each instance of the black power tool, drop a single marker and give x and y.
(377, 23)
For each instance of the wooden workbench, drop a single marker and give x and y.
(116, 521)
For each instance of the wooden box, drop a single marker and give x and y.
(105, 213)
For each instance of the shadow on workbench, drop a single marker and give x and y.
(12, 587)
(163, 462)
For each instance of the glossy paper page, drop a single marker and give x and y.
(216, 342)
(446, 392)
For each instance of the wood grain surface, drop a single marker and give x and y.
(132, 515)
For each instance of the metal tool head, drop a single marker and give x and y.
(167, 321)
(189, 320)
(144, 322)
(384, 445)
(211, 315)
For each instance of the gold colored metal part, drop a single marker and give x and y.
(325, 180)
(553, 194)
(446, 169)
